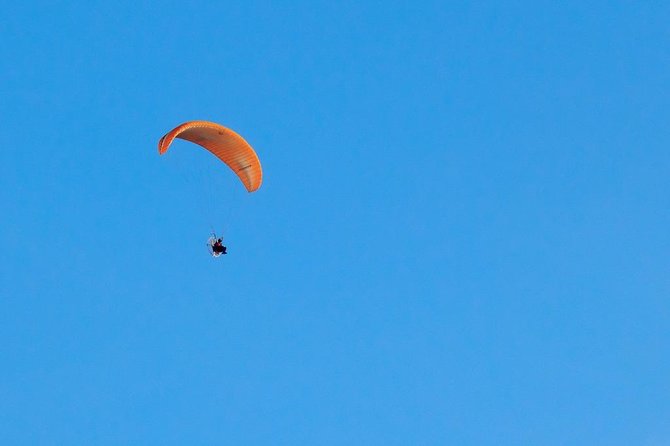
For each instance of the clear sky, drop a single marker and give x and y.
(462, 237)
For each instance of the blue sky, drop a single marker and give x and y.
(462, 235)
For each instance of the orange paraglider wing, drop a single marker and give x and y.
(225, 144)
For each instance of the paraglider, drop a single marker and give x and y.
(225, 144)
(215, 246)
(228, 147)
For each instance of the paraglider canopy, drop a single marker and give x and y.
(225, 144)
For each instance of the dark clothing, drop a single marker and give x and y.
(219, 248)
